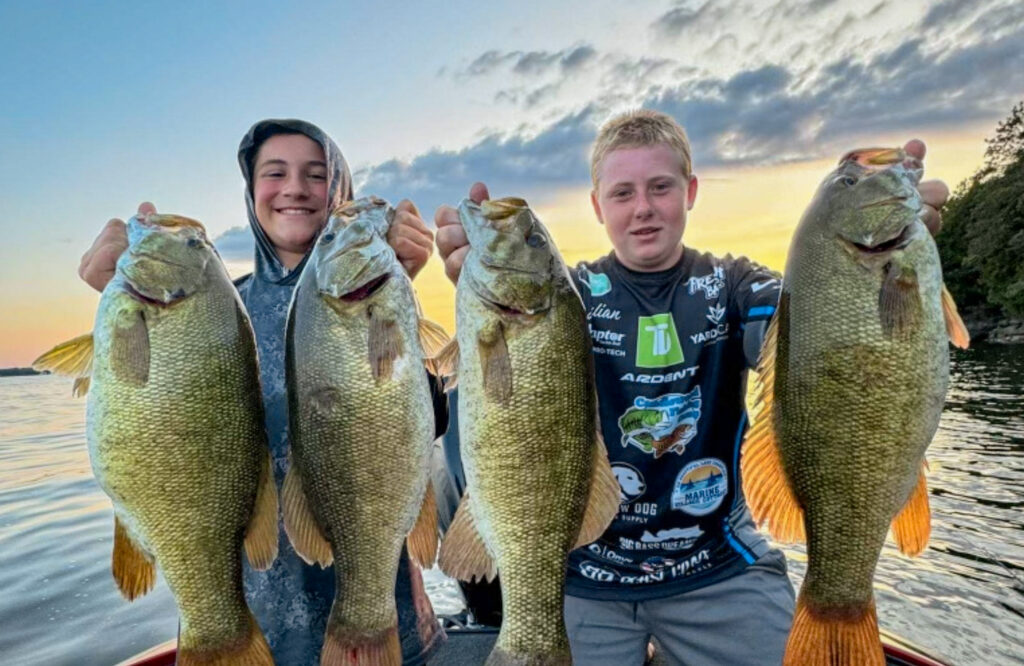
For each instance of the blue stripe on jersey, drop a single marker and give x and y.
(736, 457)
(761, 311)
(734, 542)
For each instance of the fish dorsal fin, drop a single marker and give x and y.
(494, 362)
(299, 523)
(422, 540)
(602, 500)
(385, 345)
(912, 526)
(463, 553)
(958, 334)
(261, 534)
(765, 485)
(134, 570)
(129, 348)
(72, 358)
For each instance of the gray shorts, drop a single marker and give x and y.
(738, 621)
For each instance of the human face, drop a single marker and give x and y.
(642, 198)
(290, 193)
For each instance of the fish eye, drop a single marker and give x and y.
(327, 238)
(849, 181)
(194, 242)
(536, 240)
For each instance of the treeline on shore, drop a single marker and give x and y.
(17, 372)
(982, 238)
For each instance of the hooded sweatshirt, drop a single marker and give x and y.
(292, 599)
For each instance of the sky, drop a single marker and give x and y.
(107, 104)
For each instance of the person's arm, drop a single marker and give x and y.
(100, 260)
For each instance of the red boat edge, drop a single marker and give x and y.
(898, 652)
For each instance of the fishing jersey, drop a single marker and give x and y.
(671, 378)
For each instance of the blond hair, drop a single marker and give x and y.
(637, 129)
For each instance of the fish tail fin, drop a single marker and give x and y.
(299, 523)
(346, 647)
(602, 500)
(248, 650)
(422, 540)
(261, 535)
(835, 636)
(913, 524)
(134, 570)
(72, 358)
(958, 334)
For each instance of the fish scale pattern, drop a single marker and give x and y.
(181, 455)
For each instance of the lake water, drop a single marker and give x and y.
(963, 598)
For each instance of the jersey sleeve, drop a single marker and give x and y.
(755, 292)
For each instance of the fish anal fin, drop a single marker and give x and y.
(899, 302)
(384, 343)
(433, 339)
(494, 362)
(129, 348)
(602, 500)
(834, 636)
(344, 646)
(134, 571)
(912, 526)
(72, 358)
(261, 534)
(248, 650)
(422, 540)
(765, 484)
(955, 327)
(463, 553)
(299, 523)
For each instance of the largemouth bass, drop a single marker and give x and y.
(176, 436)
(538, 479)
(853, 376)
(362, 427)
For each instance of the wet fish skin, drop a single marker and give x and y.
(528, 428)
(176, 436)
(362, 426)
(853, 379)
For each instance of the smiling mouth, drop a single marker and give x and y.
(645, 231)
(295, 211)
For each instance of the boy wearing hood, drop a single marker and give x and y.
(295, 175)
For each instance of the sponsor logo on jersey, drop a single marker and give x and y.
(712, 335)
(700, 487)
(631, 482)
(607, 553)
(657, 343)
(678, 538)
(601, 336)
(656, 563)
(697, 562)
(644, 378)
(602, 311)
(758, 286)
(715, 314)
(595, 571)
(711, 284)
(597, 283)
(662, 424)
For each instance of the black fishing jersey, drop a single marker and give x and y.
(671, 375)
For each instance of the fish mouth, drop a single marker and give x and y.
(366, 290)
(897, 242)
(142, 298)
(888, 201)
(489, 300)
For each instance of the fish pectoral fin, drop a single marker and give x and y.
(899, 301)
(765, 484)
(72, 358)
(134, 570)
(384, 343)
(299, 523)
(464, 554)
(955, 327)
(494, 363)
(843, 635)
(422, 540)
(129, 348)
(912, 526)
(602, 500)
(261, 534)
(433, 339)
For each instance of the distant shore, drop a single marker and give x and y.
(18, 372)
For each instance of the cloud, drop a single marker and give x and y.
(235, 244)
(530, 63)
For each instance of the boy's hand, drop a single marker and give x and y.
(452, 243)
(410, 238)
(100, 260)
(934, 193)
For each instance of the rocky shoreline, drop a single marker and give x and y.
(995, 328)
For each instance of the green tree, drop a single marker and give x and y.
(982, 241)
